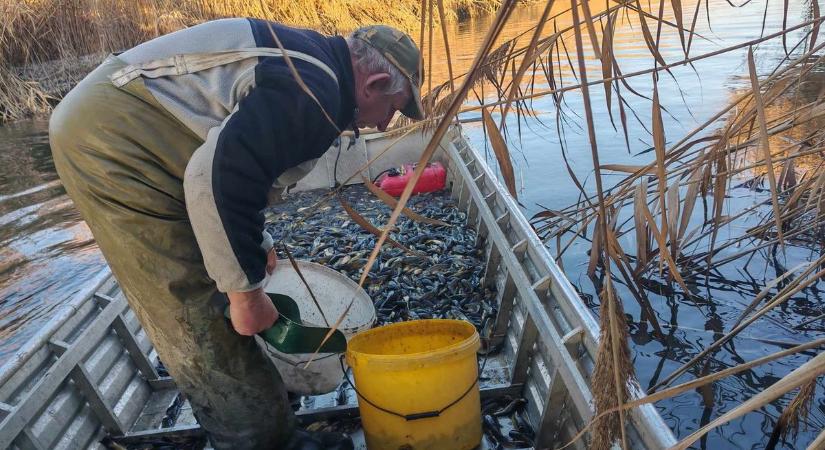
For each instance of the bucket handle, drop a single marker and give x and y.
(414, 416)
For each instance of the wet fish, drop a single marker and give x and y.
(510, 407)
(444, 281)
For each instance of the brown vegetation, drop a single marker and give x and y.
(673, 208)
(48, 45)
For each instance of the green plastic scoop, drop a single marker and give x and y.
(290, 335)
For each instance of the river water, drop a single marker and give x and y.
(691, 97)
(47, 252)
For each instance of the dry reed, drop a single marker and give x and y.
(48, 45)
(677, 203)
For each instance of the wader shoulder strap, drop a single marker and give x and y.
(195, 62)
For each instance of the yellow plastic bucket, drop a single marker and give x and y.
(417, 385)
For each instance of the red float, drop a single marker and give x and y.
(395, 180)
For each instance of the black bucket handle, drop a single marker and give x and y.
(413, 416)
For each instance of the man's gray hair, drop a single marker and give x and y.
(368, 60)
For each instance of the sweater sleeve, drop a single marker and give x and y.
(228, 177)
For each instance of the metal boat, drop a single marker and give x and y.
(91, 372)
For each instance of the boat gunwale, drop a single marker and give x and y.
(41, 338)
(655, 432)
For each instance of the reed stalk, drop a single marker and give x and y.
(675, 206)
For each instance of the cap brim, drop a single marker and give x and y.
(414, 108)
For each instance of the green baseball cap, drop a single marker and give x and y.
(401, 52)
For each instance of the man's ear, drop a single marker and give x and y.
(376, 84)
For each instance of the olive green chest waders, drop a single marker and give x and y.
(121, 157)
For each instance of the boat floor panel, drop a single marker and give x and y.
(155, 410)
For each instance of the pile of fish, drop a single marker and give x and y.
(440, 276)
(436, 275)
(505, 424)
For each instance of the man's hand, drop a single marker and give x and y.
(251, 312)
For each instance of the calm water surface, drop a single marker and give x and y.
(689, 324)
(47, 252)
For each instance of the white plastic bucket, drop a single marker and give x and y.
(334, 292)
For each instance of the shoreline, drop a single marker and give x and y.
(57, 77)
(33, 88)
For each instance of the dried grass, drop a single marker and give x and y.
(37, 36)
(794, 414)
(674, 236)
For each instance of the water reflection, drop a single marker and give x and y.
(46, 251)
(684, 326)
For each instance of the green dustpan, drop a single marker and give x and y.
(290, 335)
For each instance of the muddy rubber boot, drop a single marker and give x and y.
(319, 440)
